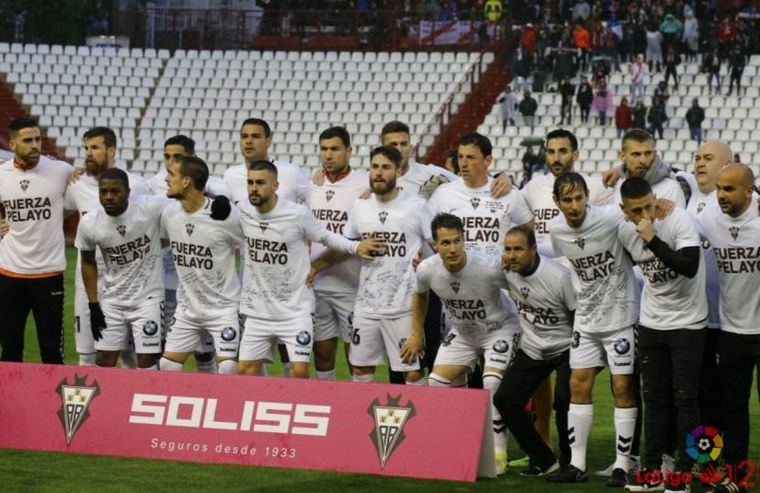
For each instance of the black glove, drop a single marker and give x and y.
(220, 208)
(97, 321)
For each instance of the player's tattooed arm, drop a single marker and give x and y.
(415, 344)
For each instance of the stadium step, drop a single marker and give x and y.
(11, 109)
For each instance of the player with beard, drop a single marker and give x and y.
(733, 230)
(277, 303)
(100, 148)
(32, 252)
(203, 243)
(127, 234)
(604, 321)
(383, 311)
(471, 287)
(334, 288)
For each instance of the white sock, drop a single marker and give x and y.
(491, 382)
(625, 425)
(228, 367)
(363, 378)
(286, 369)
(87, 359)
(169, 365)
(435, 380)
(579, 419)
(326, 374)
(421, 382)
(153, 367)
(206, 366)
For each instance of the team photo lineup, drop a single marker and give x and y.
(452, 276)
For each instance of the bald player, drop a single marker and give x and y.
(733, 229)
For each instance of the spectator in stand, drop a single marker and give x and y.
(712, 67)
(623, 117)
(661, 90)
(507, 104)
(528, 40)
(639, 39)
(654, 47)
(638, 74)
(657, 117)
(527, 109)
(581, 11)
(602, 103)
(672, 60)
(727, 36)
(736, 68)
(694, 118)
(691, 36)
(639, 115)
(528, 159)
(584, 98)
(601, 71)
(672, 31)
(582, 39)
(566, 92)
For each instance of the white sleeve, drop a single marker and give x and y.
(69, 204)
(351, 231)
(162, 225)
(84, 241)
(520, 212)
(235, 227)
(303, 187)
(315, 231)
(568, 293)
(686, 231)
(451, 177)
(425, 219)
(556, 246)
(423, 278)
(139, 185)
(215, 187)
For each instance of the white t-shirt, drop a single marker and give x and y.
(203, 251)
(276, 260)
(603, 271)
(539, 194)
(83, 196)
(215, 186)
(486, 219)
(473, 297)
(667, 188)
(669, 301)
(736, 242)
(330, 204)
(545, 302)
(418, 174)
(696, 205)
(33, 202)
(295, 185)
(387, 282)
(131, 248)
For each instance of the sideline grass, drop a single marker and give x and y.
(25, 471)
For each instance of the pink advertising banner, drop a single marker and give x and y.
(339, 426)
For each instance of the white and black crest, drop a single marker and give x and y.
(581, 242)
(525, 291)
(475, 202)
(24, 184)
(263, 225)
(189, 227)
(329, 195)
(734, 230)
(383, 216)
(455, 286)
(122, 230)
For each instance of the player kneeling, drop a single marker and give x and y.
(470, 286)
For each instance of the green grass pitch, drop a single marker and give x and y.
(23, 471)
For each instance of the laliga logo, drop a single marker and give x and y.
(390, 419)
(75, 403)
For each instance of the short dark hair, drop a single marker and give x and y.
(115, 174)
(339, 132)
(394, 127)
(261, 123)
(446, 220)
(454, 156)
(20, 124)
(561, 133)
(637, 135)
(478, 140)
(527, 232)
(388, 151)
(194, 168)
(571, 180)
(109, 136)
(635, 188)
(186, 142)
(264, 165)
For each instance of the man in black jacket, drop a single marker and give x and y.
(694, 117)
(527, 109)
(584, 97)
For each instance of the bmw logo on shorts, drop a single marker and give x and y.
(303, 338)
(401, 342)
(501, 346)
(622, 346)
(229, 334)
(150, 328)
(576, 339)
